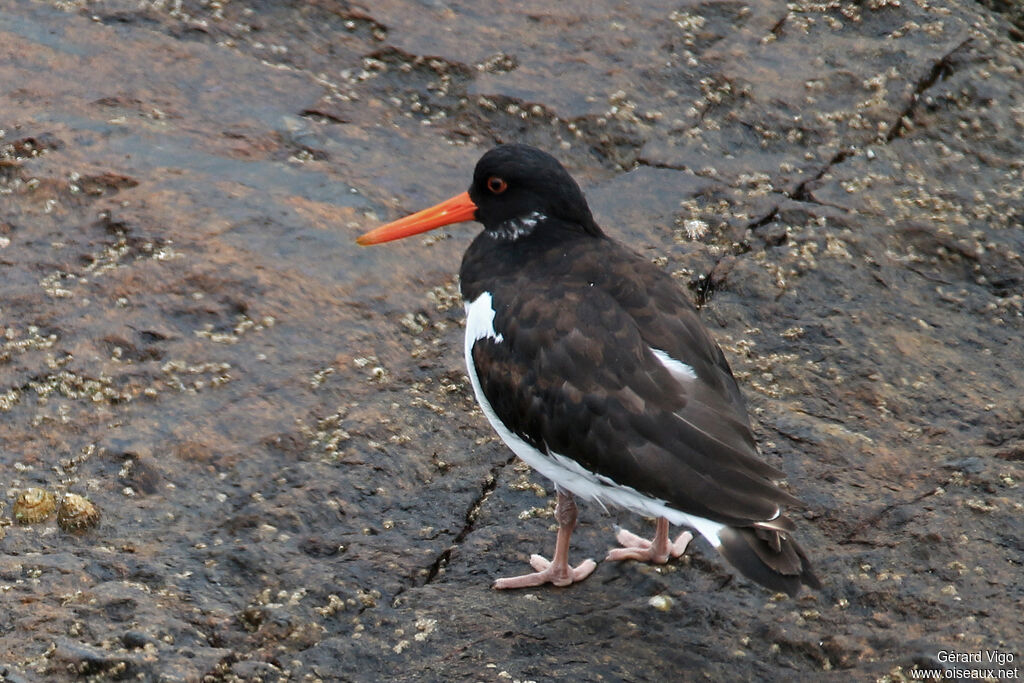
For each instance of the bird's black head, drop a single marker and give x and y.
(519, 189)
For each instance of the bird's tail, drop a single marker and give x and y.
(769, 556)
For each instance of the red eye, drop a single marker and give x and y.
(496, 185)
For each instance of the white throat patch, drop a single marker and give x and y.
(514, 228)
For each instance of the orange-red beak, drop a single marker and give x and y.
(455, 210)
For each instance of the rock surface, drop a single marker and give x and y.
(294, 481)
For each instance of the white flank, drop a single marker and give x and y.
(480, 324)
(679, 370)
(563, 470)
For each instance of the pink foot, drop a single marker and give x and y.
(658, 551)
(557, 571)
(548, 572)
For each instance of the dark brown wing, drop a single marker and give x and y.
(574, 373)
(667, 320)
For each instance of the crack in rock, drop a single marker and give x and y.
(490, 483)
(873, 519)
(941, 69)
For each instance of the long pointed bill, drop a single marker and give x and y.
(455, 210)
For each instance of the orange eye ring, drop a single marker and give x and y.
(496, 185)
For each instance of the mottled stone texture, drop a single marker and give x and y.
(294, 481)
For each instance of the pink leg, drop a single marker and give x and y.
(557, 571)
(658, 551)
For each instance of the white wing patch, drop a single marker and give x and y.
(563, 470)
(682, 372)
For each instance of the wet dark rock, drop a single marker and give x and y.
(12, 676)
(256, 671)
(85, 660)
(294, 480)
(136, 639)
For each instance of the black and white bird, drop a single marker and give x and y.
(593, 366)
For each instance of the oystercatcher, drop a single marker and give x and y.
(594, 368)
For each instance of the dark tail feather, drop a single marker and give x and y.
(769, 557)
